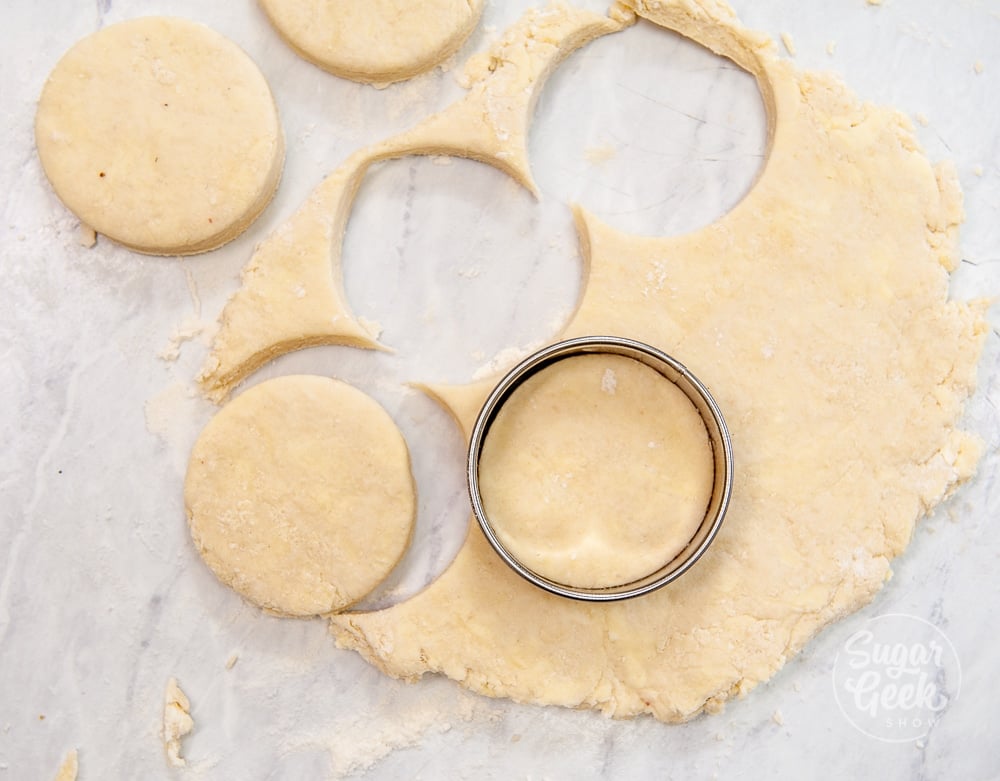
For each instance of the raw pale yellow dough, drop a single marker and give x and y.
(299, 495)
(161, 134)
(596, 472)
(292, 294)
(817, 313)
(377, 41)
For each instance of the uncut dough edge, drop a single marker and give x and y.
(879, 364)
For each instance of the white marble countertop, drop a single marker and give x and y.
(102, 595)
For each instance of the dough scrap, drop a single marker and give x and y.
(160, 134)
(292, 293)
(375, 41)
(299, 495)
(597, 471)
(817, 313)
(69, 768)
(177, 722)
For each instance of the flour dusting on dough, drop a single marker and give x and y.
(609, 382)
(502, 361)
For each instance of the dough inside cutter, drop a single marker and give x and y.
(597, 471)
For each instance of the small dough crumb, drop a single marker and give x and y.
(87, 236)
(978, 170)
(600, 154)
(177, 722)
(874, 2)
(831, 47)
(789, 43)
(68, 769)
(922, 119)
(231, 661)
(978, 66)
(777, 718)
(609, 383)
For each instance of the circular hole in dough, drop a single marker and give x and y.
(596, 471)
(299, 495)
(420, 226)
(375, 41)
(161, 134)
(675, 136)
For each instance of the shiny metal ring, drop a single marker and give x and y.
(673, 371)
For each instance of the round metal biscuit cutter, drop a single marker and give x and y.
(673, 371)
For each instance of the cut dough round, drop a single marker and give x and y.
(376, 41)
(161, 134)
(596, 472)
(299, 495)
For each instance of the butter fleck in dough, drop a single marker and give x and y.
(299, 495)
(160, 134)
(817, 311)
(597, 471)
(376, 41)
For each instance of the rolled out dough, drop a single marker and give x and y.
(292, 295)
(377, 41)
(299, 495)
(161, 134)
(597, 471)
(817, 312)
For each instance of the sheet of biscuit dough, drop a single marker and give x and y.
(817, 313)
(160, 134)
(597, 471)
(292, 293)
(376, 41)
(299, 495)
